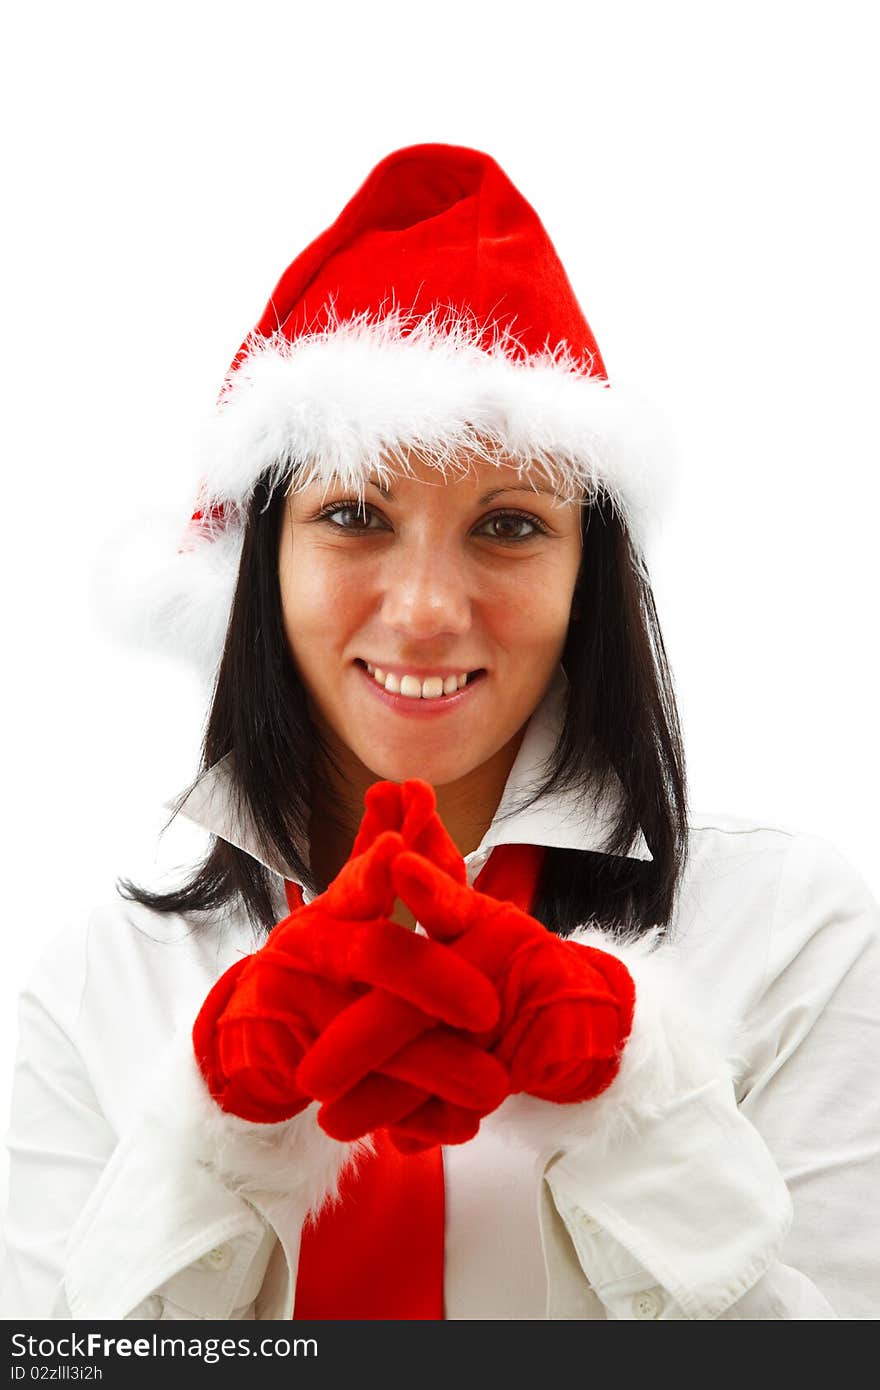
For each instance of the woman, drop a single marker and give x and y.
(623, 1063)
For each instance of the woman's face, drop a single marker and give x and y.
(440, 578)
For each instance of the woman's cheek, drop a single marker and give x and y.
(535, 613)
(323, 588)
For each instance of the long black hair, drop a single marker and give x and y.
(621, 718)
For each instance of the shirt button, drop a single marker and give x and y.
(218, 1258)
(587, 1223)
(646, 1305)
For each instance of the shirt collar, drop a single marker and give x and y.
(564, 819)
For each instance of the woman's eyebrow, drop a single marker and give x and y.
(381, 487)
(481, 501)
(516, 487)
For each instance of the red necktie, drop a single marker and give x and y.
(377, 1253)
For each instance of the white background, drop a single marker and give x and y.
(708, 175)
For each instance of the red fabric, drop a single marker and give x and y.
(433, 229)
(566, 1009)
(378, 1254)
(408, 1037)
(413, 1069)
(338, 953)
(511, 874)
(436, 227)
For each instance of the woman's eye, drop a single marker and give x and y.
(513, 526)
(354, 516)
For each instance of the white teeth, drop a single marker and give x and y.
(431, 688)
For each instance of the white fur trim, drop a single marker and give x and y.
(355, 398)
(674, 1048)
(158, 586)
(335, 405)
(295, 1158)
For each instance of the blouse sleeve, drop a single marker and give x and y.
(730, 1182)
(176, 1215)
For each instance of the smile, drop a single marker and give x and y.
(414, 688)
(409, 693)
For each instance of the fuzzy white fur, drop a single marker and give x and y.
(159, 586)
(295, 1158)
(364, 395)
(336, 405)
(674, 1048)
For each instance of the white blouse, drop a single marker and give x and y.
(730, 1171)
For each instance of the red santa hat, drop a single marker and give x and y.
(434, 317)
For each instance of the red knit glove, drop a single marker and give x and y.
(566, 1008)
(326, 958)
(348, 1067)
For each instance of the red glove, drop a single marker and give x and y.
(325, 959)
(353, 1079)
(566, 1009)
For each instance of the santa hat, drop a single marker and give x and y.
(433, 316)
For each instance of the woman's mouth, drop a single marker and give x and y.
(417, 694)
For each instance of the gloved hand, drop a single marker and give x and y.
(355, 1082)
(566, 1008)
(332, 956)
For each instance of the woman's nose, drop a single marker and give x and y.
(425, 593)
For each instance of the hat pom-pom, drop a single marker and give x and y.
(161, 586)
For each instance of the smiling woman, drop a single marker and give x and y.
(416, 577)
(425, 633)
(389, 610)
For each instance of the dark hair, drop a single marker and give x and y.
(621, 719)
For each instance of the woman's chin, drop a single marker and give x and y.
(437, 771)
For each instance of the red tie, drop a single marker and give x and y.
(377, 1254)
